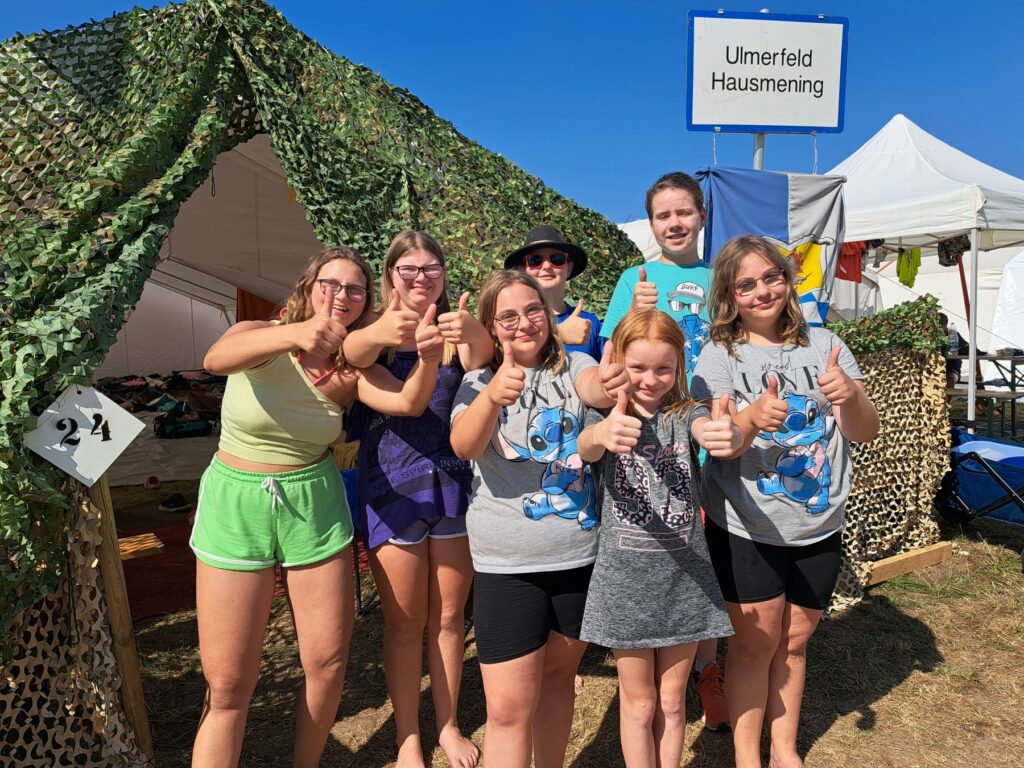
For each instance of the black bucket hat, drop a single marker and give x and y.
(548, 237)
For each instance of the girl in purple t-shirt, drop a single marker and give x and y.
(413, 495)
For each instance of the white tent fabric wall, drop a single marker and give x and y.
(639, 231)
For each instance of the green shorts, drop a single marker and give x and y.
(246, 521)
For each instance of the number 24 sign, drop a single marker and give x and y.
(83, 432)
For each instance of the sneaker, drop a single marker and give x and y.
(175, 503)
(712, 698)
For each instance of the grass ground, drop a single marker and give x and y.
(925, 672)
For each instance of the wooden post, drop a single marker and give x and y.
(121, 629)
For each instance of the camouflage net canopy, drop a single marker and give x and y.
(107, 128)
(895, 476)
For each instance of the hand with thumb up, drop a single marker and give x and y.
(509, 380)
(575, 329)
(645, 294)
(835, 385)
(396, 325)
(613, 376)
(619, 432)
(429, 341)
(721, 436)
(769, 411)
(459, 326)
(323, 333)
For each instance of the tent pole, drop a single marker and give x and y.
(972, 373)
(759, 151)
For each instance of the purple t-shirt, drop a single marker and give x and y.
(407, 469)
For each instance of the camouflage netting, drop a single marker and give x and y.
(895, 477)
(105, 130)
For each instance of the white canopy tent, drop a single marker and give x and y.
(241, 229)
(908, 187)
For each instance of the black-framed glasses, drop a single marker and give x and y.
(410, 273)
(535, 260)
(354, 292)
(510, 320)
(748, 285)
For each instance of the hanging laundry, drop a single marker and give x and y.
(850, 263)
(950, 250)
(907, 263)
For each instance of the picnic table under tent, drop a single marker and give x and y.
(910, 188)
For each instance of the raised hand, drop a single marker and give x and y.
(645, 294)
(323, 333)
(429, 341)
(574, 329)
(509, 380)
(619, 431)
(396, 325)
(458, 327)
(835, 385)
(613, 376)
(769, 410)
(722, 437)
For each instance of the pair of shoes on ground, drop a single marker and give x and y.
(712, 698)
(175, 503)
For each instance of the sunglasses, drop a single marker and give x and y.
(354, 292)
(535, 260)
(749, 285)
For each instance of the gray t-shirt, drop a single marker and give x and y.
(790, 487)
(533, 506)
(653, 585)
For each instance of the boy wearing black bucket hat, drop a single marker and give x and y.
(552, 260)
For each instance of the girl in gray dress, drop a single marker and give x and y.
(653, 595)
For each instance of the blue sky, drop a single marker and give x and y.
(591, 95)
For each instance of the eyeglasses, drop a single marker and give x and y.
(748, 285)
(410, 273)
(354, 292)
(510, 320)
(535, 260)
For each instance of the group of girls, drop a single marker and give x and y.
(565, 489)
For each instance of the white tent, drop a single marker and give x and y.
(908, 187)
(241, 229)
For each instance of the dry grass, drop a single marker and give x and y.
(926, 672)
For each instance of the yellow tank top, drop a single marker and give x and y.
(273, 414)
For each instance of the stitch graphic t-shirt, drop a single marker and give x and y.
(533, 506)
(653, 585)
(790, 487)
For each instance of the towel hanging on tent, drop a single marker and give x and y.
(907, 263)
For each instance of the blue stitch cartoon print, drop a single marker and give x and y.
(690, 297)
(803, 472)
(566, 486)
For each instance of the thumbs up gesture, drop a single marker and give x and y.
(509, 380)
(396, 325)
(835, 385)
(323, 333)
(575, 329)
(769, 410)
(459, 326)
(429, 341)
(721, 436)
(612, 375)
(645, 294)
(619, 432)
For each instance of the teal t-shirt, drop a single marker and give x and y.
(682, 293)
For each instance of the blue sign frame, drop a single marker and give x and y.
(844, 22)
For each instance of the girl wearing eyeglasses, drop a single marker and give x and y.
(414, 492)
(775, 514)
(532, 520)
(273, 496)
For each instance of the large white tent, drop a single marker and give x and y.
(907, 187)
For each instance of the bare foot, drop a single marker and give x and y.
(578, 685)
(410, 754)
(461, 752)
(785, 761)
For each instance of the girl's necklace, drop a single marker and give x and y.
(322, 377)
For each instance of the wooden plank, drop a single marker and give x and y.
(122, 633)
(142, 545)
(914, 560)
